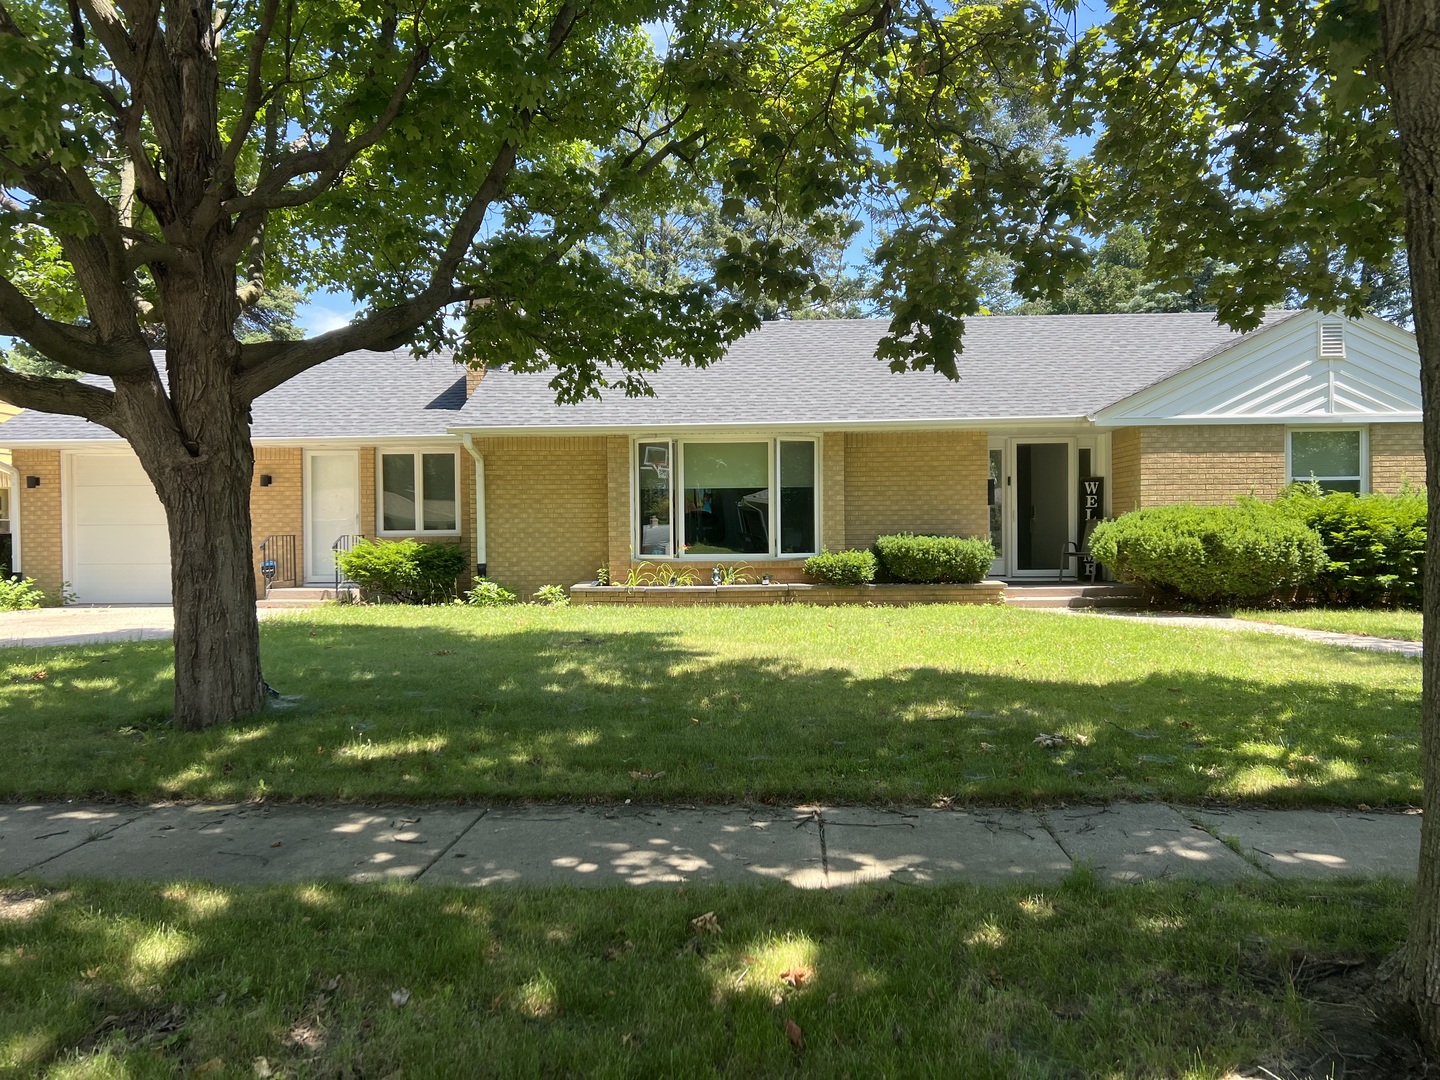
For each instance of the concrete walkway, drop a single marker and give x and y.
(809, 848)
(86, 625)
(1220, 622)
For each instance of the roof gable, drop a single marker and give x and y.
(1298, 371)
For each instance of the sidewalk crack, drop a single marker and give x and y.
(101, 835)
(458, 837)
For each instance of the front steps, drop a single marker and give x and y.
(1103, 595)
(304, 597)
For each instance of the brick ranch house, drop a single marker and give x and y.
(798, 440)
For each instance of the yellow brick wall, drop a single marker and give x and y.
(1397, 456)
(279, 509)
(546, 510)
(832, 485)
(40, 553)
(1124, 471)
(1210, 464)
(923, 482)
(617, 480)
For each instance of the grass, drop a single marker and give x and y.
(787, 703)
(1180, 980)
(1388, 623)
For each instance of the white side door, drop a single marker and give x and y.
(332, 508)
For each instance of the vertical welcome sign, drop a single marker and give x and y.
(1092, 509)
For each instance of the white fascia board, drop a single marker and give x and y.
(1306, 419)
(940, 424)
(115, 442)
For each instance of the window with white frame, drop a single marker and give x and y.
(736, 498)
(1334, 458)
(418, 492)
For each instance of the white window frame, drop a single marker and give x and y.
(677, 476)
(416, 453)
(1364, 477)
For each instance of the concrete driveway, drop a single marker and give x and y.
(85, 625)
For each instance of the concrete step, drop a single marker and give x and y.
(1074, 601)
(311, 593)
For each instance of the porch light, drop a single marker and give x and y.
(264, 479)
(32, 481)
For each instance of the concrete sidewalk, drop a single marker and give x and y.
(809, 848)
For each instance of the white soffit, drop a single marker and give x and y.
(1285, 375)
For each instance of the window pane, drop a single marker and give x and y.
(727, 498)
(438, 477)
(657, 535)
(1324, 453)
(797, 497)
(997, 507)
(397, 473)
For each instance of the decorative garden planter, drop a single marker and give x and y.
(984, 592)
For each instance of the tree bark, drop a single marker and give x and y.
(1410, 39)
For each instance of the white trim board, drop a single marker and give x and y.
(1279, 377)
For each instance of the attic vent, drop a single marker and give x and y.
(1332, 339)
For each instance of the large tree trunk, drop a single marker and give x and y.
(195, 446)
(1410, 35)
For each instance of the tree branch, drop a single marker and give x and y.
(69, 345)
(68, 396)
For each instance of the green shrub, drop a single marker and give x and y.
(403, 571)
(20, 594)
(552, 596)
(1375, 543)
(488, 593)
(928, 559)
(842, 567)
(1247, 553)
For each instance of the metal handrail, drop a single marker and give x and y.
(343, 544)
(277, 561)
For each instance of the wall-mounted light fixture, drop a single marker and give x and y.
(32, 481)
(264, 479)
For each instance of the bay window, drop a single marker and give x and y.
(726, 499)
(418, 492)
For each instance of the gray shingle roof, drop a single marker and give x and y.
(784, 374)
(358, 395)
(797, 373)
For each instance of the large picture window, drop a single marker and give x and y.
(736, 499)
(1332, 457)
(436, 479)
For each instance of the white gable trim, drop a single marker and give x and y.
(1279, 376)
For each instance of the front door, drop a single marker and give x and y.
(332, 508)
(1043, 514)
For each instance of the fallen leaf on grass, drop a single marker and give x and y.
(41, 676)
(400, 998)
(705, 924)
(796, 977)
(794, 1034)
(634, 775)
(261, 1067)
(209, 1068)
(1049, 742)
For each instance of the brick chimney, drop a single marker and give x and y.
(473, 377)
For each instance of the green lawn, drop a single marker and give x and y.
(1404, 625)
(787, 703)
(1176, 980)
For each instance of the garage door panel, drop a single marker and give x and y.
(119, 544)
(122, 545)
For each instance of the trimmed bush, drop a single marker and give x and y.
(1248, 553)
(21, 594)
(1376, 544)
(934, 559)
(488, 593)
(403, 571)
(841, 567)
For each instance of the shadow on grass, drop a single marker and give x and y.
(432, 712)
(337, 980)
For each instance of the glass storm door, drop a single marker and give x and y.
(1043, 514)
(332, 508)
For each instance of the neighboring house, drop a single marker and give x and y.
(799, 439)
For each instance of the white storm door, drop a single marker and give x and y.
(332, 508)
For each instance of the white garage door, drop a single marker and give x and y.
(119, 544)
